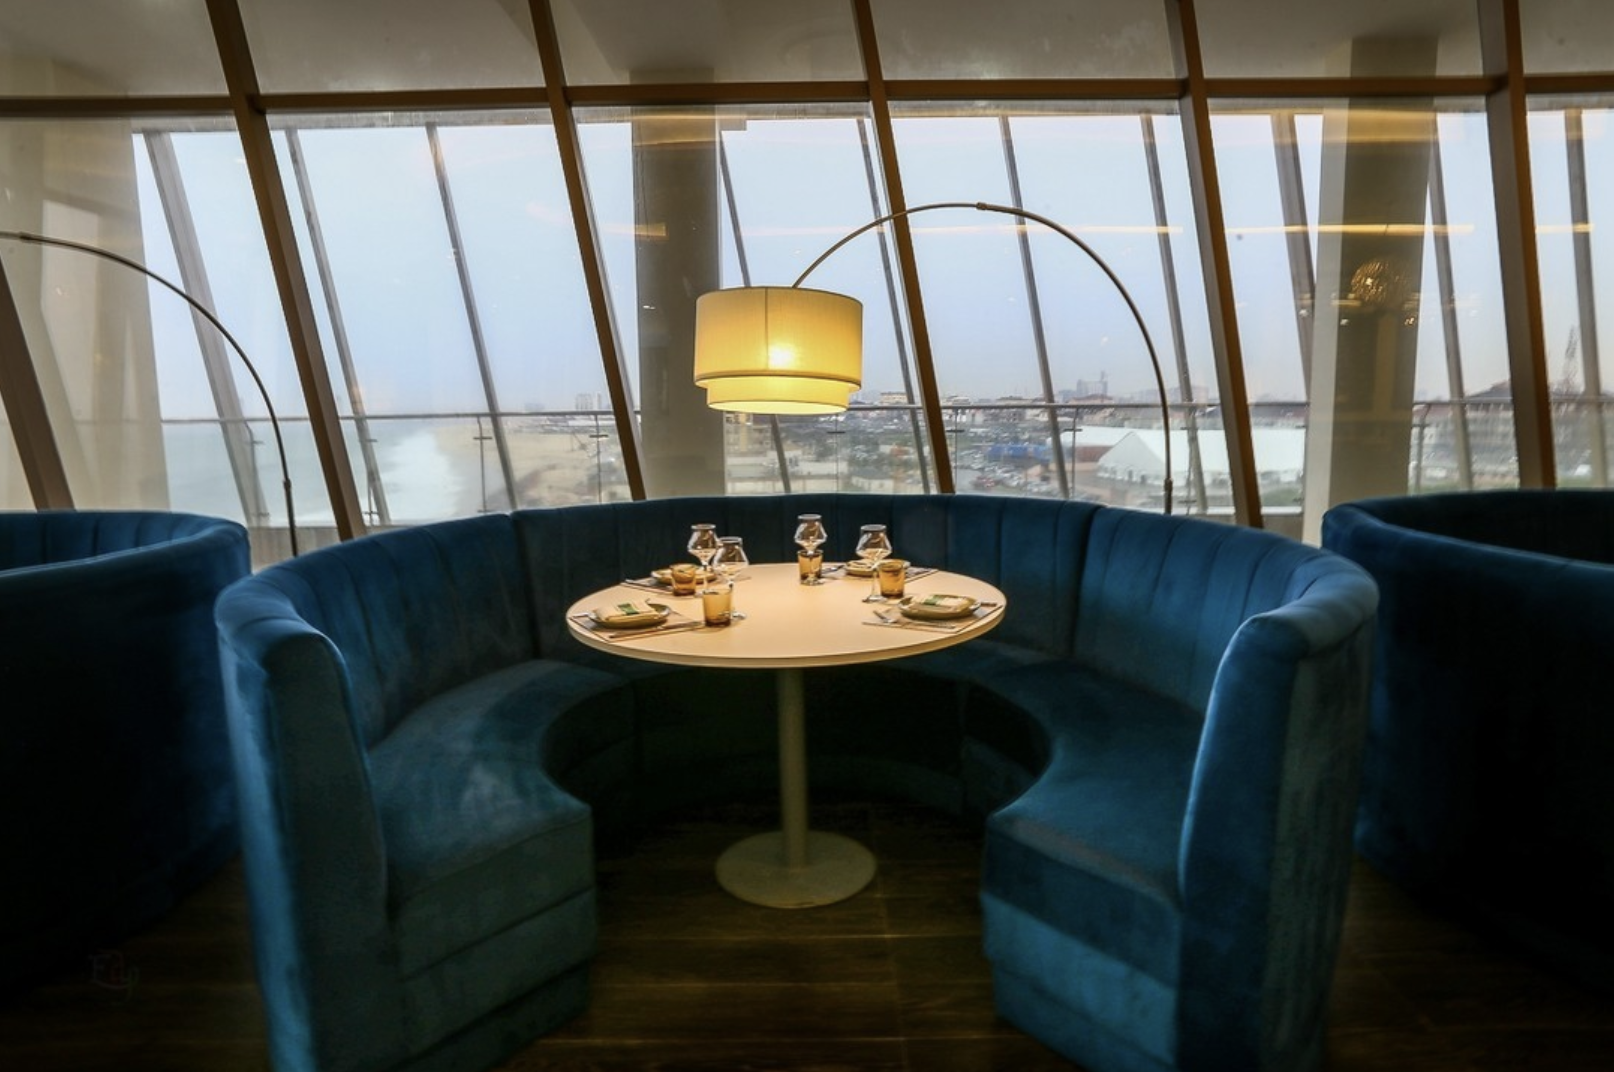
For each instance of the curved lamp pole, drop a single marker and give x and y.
(1115, 280)
(207, 314)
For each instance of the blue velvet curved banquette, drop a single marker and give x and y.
(1162, 739)
(115, 776)
(1490, 738)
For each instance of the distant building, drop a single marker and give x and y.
(1138, 456)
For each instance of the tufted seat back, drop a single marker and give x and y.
(430, 608)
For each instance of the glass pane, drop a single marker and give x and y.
(1567, 36)
(1573, 165)
(566, 458)
(14, 493)
(869, 448)
(1023, 39)
(434, 467)
(358, 45)
(691, 201)
(520, 251)
(392, 264)
(453, 309)
(1365, 265)
(107, 48)
(135, 384)
(229, 467)
(798, 186)
(621, 41)
(1278, 39)
(1020, 315)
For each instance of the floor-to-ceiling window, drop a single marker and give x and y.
(478, 274)
(451, 305)
(1573, 176)
(1363, 250)
(1047, 378)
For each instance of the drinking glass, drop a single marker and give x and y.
(810, 535)
(703, 545)
(717, 604)
(872, 545)
(730, 560)
(683, 578)
(893, 574)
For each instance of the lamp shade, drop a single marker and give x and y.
(778, 349)
(777, 394)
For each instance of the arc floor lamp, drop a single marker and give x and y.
(206, 314)
(796, 350)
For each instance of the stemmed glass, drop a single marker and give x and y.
(872, 545)
(703, 545)
(810, 535)
(730, 561)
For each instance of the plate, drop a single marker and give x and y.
(664, 576)
(938, 607)
(859, 567)
(630, 614)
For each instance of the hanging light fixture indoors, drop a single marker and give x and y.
(794, 350)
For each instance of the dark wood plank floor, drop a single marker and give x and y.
(690, 979)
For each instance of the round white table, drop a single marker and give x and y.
(790, 627)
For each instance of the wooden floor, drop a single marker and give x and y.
(690, 980)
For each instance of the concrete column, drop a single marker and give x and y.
(676, 254)
(86, 321)
(1375, 181)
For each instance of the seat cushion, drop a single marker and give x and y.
(478, 835)
(1080, 878)
(1121, 760)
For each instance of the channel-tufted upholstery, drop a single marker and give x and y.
(114, 767)
(1162, 737)
(422, 891)
(1485, 781)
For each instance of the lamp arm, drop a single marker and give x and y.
(1115, 280)
(207, 314)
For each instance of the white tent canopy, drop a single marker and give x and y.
(1139, 454)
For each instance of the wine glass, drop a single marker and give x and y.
(729, 561)
(872, 545)
(703, 545)
(810, 535)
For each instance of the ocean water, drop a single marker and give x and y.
(421, 481)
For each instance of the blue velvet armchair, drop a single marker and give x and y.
(114, 768)
(1491, 736)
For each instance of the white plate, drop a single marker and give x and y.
(861, 568)
(630, 614)
(664, 576)
(938, 607)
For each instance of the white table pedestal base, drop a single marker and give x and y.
(794, 867)
(755, 870)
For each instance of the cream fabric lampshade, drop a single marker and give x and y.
(778, 349)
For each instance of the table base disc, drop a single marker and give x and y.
(754, 870)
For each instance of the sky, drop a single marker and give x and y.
(798, 184)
